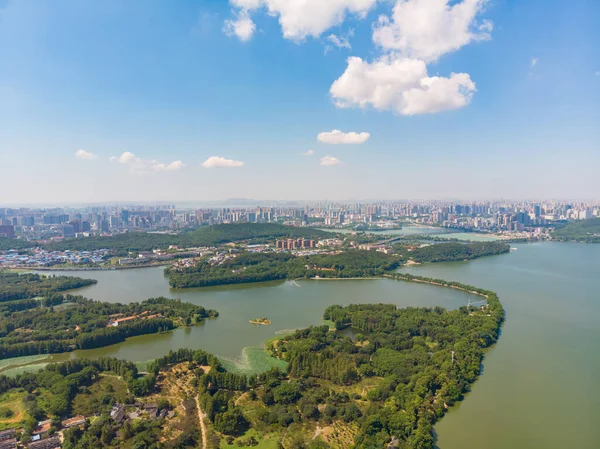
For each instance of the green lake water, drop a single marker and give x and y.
(289, 305)
(539, 387)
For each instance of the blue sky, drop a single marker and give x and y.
(205, 100)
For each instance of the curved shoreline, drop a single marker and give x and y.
(28, 269)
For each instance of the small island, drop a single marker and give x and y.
(262, 321)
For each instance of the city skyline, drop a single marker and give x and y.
(263, 100)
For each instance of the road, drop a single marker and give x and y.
(202, 425)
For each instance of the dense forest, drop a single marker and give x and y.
(85, 324)
(7, 244)
(587, 231)
(451, 252)
(206, 236)
(15, 286)
(259, 267)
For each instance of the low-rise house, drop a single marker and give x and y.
(72, 422)
(152, 410)
(7, 434)
(117, 413)
(8, 444)
(42, 429)
(48, 443)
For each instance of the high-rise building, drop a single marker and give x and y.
(76, 225)
(69, 231)
(27, 221)
(7, 231)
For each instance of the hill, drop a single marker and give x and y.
(206, 236)
(579, 231)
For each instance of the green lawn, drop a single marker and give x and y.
(253, 361)
(99, 396)
(267, 441)
(13, 402)
(19, 361)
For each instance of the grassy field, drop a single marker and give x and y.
(266, 441)
(19, 361)
(99, 395)
(253, 361)
(329, 323)
(12, 372)
(12, 402)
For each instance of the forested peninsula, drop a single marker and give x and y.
(65, 323)
(452, 251)
(15, 286)
(122, 244)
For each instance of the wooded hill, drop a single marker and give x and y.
(587, 231)
(215, 235)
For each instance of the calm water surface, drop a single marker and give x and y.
(424, 230)
(289, 305)
(540, 384)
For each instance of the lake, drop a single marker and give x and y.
(289, 305)
(540, 382)
(539, 388)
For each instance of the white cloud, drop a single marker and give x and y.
(329, 160)
(300, 19)
(337, 137)
(401, 85)
(340, 41)
(309, 153)
(143, 166)
(221, 162)
(85, 155)
(534, 62)
(243, 27)
(427, 29)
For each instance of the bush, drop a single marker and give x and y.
(6, 413)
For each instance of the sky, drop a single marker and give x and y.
(201, 100)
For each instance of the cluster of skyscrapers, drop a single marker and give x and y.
(71, 222)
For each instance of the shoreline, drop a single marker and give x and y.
(29, 269)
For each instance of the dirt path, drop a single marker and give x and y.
(202, 425)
